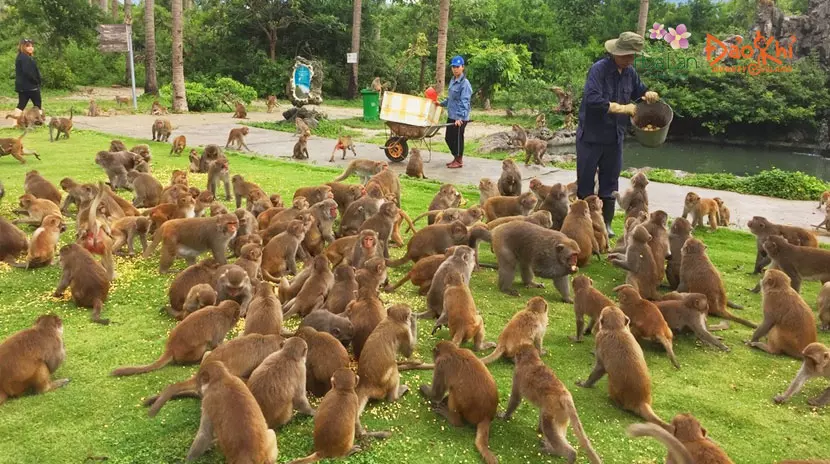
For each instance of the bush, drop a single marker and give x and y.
(531, 93)
(230, 91)
(270, 77)
(56, 74)
(199, 97)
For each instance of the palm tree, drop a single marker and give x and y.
(356, 19)
(114, 5)
(643, 18)
(441, 59)
(179, 95)
(103, 5)
(151, 85)
(128, 19)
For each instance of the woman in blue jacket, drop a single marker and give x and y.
(458, 111)
(26, 77)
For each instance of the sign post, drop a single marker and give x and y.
(117, 38)
(132, 63)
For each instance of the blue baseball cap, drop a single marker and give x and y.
(457, 60)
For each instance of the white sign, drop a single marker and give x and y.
(351, 58)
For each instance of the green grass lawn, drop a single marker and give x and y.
(101, 416)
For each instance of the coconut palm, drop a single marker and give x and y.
(151, 85)
(179, 95)
(441, 58)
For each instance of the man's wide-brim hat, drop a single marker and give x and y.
(628, 43)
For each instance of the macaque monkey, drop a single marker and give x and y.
(157, 109)
(29, 357)
(325, 355)
(300, 151)
(40, 187)
(681, 230)
(36, 209)
(13, 241)
(816, 363)
(762, 228)
(463, 319)
(271, 103)
(647, 321)
(314, 290)
(278, 384)
(823, 306)
(61, 125)
(162, 128)
(363, 168)
(798, 262)
(179, 143)
(687, 311)
(788, 321)
(415, 165)
(557, 204)
(93, 110)
(122, 100)
(432, 240)
(43, 243)
(147, 189)
(87, 279)
(597, 223)
(535, 148)
(218, 171)
(579, 227)
(237, 138)
(486, 189)
(723, 212)
(638, 260)
(344, 142)
(191, 236)
(588, 301)
(117, 145)
(700, 207)
(125, 230)
(635, 198)
(527, 326)
(14, 147)
(510, 182)
(240, 112)
(301, 126)
(279, 254)
(685, 440)
(500, 206)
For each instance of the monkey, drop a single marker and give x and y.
(14, 147)
(233, 283)
(536, 250)
(300, 151)
(203, 272)
(338, 420)
(618, 355)
(587, 301)
(13, 241)
(823, 306)
(345, 194)
(557, 204)
(240, 356)
(473, 396)
(276, 200)
(321, 218)
(486, 189)
(659, 243)
(250, 257)
(788, 321)
(699, 275)
(278, 384)
(501, 206)
(510, 181)
(688, 311)
(61, 126)
(240, 112)
(578, 226)
(278, 256)
(300, 126)
(210, 153)
(271, 103)
(29, 357)
(382, 223)
(415, 165)
(816, 363)
(314, 194)
(723, 212)
(242, 188)
(463, 319)
(203, 201)
(344, 289)
(540, 218)
(93, 110)
(446, 197)
(162, 128)
(117, 145)
(533, 380)
(122, 100)
(628, 231)
(539, 189)
(432, 240)
(264, 315)
(147, 189)
(365, 311)
(218, 209)
(199, 332)
(218, 171)
(190, 236)
(597, 223)
(157, 109)
(325, 355)
(389, 184)
(183, 208)
(685, 440)
(826, 222)
(36, 210)
(462, 261)
(527, 326)
(681, 230)
(363, 168)
(762, 228)
(639, 264)
(200, 296)
(76, 193)
(360, 210)
(237, 137)
(125, 230)
(535, 148)
(44, 241)
(314, 290)
(700, 207)
(344, 142)
(142, 150)
(86, 278)
(231, 416)
(116, 165)
(366, 247)
(341, 250)
(179, 143)
(39, 187)
(298, 205)
(195, 161)
(798, 262)
(172, 193)
(339, 326)
(646, 319)
(635, 198)
(28, 118)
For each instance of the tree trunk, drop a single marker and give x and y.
(421, 76)
(151, 85)
(643, 18)
(272, 44)
(128, 19)
(356, 20)
(179, 94)
(103, 5)
(114, 6)
(441, 58)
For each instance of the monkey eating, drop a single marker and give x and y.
(86, 278)
(788, 322)
(28, 358)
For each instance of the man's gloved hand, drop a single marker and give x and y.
(629, 108)
(651, 97)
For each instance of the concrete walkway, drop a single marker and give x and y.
(203, 129)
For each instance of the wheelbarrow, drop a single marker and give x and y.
(397, 146)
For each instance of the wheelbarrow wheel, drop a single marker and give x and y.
(396, 149)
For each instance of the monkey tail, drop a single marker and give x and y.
(426, 213)
(494, 356)
(71, 112)
(404, 259)
(733, 305)
(154, 244)
(483, 442)
(488, 265)
(313, 457)
(409, 221)
(267, 275)
(739, 320)
(677, 451)
(576, 424)
(173, 390)
(346, 173)
(392, 288)
(164, 360)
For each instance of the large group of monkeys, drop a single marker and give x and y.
(342, 233)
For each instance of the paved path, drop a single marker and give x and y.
(203, 129)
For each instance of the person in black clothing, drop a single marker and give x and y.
(27, 77)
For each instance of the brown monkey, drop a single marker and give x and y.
(237, 137)
(578, 226)
(688, 311)
(619, 356)
(39, 187)
(162, 128)
(199, 332)
(597, 223)
(203, 201)
(28, 119)
(681, 230)
(203, 272)
(646, 319)
(762, 229)
(501, 206)
(343, 291)
(365, 311)
(533, 380)
(190, 237)
(360, 210)
(345, 194)
(28, 358)
(340, 251)
(587, 301)
(389, 184)
(461, 314)
(278, 384)
(271, 103)
(276, 200)
(298, 205)
(240, 112)
(422, 272)
(635, 198)
(172, 193)
(250, 258)
(300, 151)
(659, 243)
(142, 150)
(278, 256)
(823, 306)
(557, 204)
(510, 181)
(338, 326)
(179, 143)
(117, 145)
(527, 326)
(344, 142)
(816, 357)
(788, 321)
(686, 441)
(325, 355)
(86, 278)
(147, 189)
(200, 296)
(314, 290)
(366, 247)
(473, 396)
(700, 207)
(301, 126)
(363, 168)
(116, 165)
(125, 230)
(257, 202)
(93, 110)
(157, 109)
(61, 126)
(486, 189)
(382, 223)
(184, 207)
(14, 147)
(723, 212)
(415, 165)
(218, 171)
(122, 100)
(798, 262)
(314, 194)
(432, 240)
(231, 416)
(639, 264)
(535, 250)
(540, 218)
(264, 314)
(535, 148)
(539, 189)
(233, 283)
(36, 209)
(320, 217)
(217, 209)
(446, 197)
(76, 193)
(462, 261)
(13, 241)
(43, 243)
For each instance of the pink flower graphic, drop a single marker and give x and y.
(678, 38)
(657, 31)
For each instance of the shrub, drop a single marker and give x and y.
(229, 91)
(199, 97)
(56, 74)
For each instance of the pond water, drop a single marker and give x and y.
(711, 158)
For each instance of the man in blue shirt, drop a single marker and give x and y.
(458, 111)
(610, 88)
